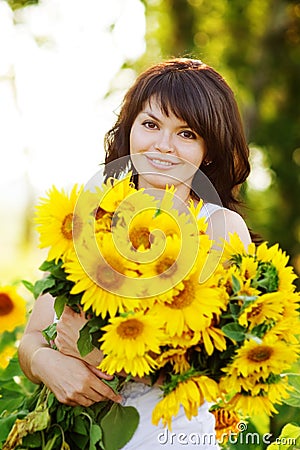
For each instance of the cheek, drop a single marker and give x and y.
(137, 141)
(196, 156)
(133, 141)
(200, 155)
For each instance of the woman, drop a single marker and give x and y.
(179, 124)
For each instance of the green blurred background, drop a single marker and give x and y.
(254, 44)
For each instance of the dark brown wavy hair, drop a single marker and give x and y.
(197, 94)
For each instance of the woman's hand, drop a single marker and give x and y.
(68, 328)
(72, 381)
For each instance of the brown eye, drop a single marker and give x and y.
(149, 124)
(188, 134)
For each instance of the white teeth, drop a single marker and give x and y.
(163, 163)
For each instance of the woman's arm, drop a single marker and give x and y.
(72, 381)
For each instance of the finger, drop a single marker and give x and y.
(103, 390)
(100, 374)
(84, 400)
(106, 395)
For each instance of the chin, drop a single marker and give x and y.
(157, 181)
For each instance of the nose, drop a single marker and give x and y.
(164, 143)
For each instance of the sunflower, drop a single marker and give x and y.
(6, 355)
(267, 309)
(192, 308)
(103, 277)
(269, 356)
(133, 228)
(226, 423)
(213, 338)
(235, 382)
(163, 276)
(235, 247)
(248, 267)
(276, 387)
(190, 393)
(177, 357)
(286, 328)
(186, 340)
(278, 259)
(57, 223)
(12, 309)
(131, 336)
(286, 274)
(272, 271)
(114, 191)
(165, 410)
(251, 405)
(139, 366)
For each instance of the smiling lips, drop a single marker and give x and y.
(161, 163)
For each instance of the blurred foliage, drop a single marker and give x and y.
(256, 46)
(16, 4)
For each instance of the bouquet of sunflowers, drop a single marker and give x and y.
(161, 300)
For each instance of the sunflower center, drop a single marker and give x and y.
(140, 236)
(66, 227)
(130, 329)
(262, 353)
(76, 226)
(184, 298)
(256, 311)
(99, 213)
(164, 265)
(6, 305)
(107, 277)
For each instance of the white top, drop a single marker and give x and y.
(199, 432)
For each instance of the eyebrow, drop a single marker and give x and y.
(150, 114)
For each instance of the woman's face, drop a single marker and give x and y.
(164, 149)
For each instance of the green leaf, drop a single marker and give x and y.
(84, 343)
(13, 369)
(49, 333)
(50, 444)
(32, 441)
(234, 331)
(28, 285)
(289, 438)
(294, 380)
(41, 286)
(235, 284)
(60, 414)
(118, 426)
(95, 436)
(113, 384)
(294, 398)
(234, 309)
(47, 266)
(290, 430)
(59, 304)
(6, 423)
(79, 426)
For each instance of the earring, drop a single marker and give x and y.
(206, 163)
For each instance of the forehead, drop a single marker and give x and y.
(155, 105)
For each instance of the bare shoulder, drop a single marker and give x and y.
(223, 221)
